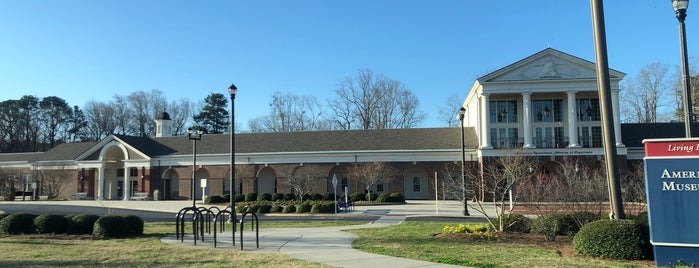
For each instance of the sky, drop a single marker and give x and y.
(83, 50)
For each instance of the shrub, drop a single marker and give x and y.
(548, 225)
(641, 218)
(111, 226)
(289, 209)
(214, 199)
(226, 198)
(289, 196)
(614, 239)
(357, 197)
(251, 197)
(397, 197)
(265, 208)
(239, 198)
(277, 197)
(476, 230)
(316, 208)
(255, 208)
(134, 224)
(306, 197)
(383, 198)
(276, 208)
(330, 196)
(317, 197)
(515, 223)
(372, 196)
(50, 224)
(81, 223)
(303, 207)
(264, 197)
(19, 223)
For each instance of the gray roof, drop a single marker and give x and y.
(634, 134)
(279, 142)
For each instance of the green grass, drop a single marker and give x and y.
(145, 251)
(416, 240)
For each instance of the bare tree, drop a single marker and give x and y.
(447, 113)
(180, 113)
(502, 180)
(644, 96)
(54, 181)
(374, 101)
(305, 178)
(123, 115)
(289, 112)
(372, 173)
(8, 178)
(100, 120)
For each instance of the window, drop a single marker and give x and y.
(590, 136)
(343, 183)
(588, 110)
(503, 111)
(120, 172)
(504, 137)
(133, 172)
(379, 187)
(416, 184)
(547, 110)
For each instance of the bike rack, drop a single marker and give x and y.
(256, 227)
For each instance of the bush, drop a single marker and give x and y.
(304, 207)
(641, 218)
(289, 209)
(317, 197)
(111, 226)
(357, 197)
(226, 198)
(397, 197)
(515, 223)
(383, 198)
(276, 208)
(50, 224)
(316, 208)
(265, 208)
(239, 198)
(548, 225)
(255, 208)
(277, 197)
(250, 197)
(264, 197)
(134, 224)
(19, 223)
(372, 196)
(214, 199)
(81, 223)
(289, 196)
(330, 196)
(306, 197)
(614, 239)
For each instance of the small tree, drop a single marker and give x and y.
(55, 180)
(500, 175)
(305, 177)
(372, 173)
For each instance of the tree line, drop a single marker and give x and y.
(366, 100)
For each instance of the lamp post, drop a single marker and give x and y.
(232, 90)
(462, 113)
(194, 136)
(680, 7)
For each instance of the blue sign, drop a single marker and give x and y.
(672, 190)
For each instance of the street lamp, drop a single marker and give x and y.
(232, 90)
(194, 136)
(462, 113)
(680, 7)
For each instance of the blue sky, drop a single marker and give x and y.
(81, 50)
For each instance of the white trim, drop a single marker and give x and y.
(670, 244)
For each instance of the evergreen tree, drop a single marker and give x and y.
(213, 118)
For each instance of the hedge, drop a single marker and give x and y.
(613, 239)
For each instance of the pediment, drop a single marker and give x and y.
(548, 64)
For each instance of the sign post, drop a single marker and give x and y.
(672, 191)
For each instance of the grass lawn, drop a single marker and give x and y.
(146, 251)
(420, 240)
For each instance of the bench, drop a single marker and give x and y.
(139, 196)
(80, 196)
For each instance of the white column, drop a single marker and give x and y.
(527, 126)
(572, 121)
(485, 135)
(127, 184)
(100, 183)
(617, 121)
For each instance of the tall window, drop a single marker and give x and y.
(133, 172)
(503, 111)
(379, 187)
(588, 110)
(343, 183)
(416, 184)
(504, 137)
(547, 110)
